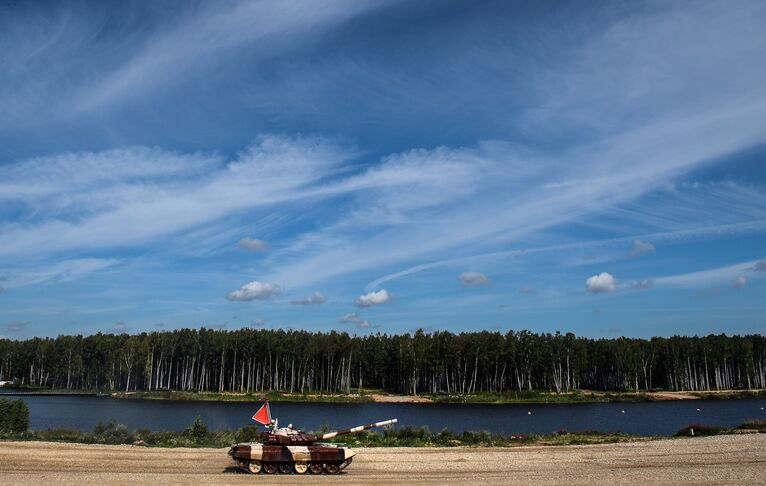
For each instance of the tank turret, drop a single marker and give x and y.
(288, 450)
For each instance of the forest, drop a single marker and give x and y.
(258, 360)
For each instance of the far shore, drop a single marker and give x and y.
(380, 396)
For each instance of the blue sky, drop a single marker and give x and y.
(381, 166)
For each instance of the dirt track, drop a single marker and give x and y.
(714, 460)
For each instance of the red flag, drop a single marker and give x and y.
(263, 415)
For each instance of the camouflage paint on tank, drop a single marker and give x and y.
(296, 451)
(279, 453)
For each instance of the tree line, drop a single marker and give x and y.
(250, 360)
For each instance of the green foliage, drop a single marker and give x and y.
(335, 366)
(197, 435)
(198, 431)
(14, 416)
(701, 430)
(759, 425)
(247, 434)
(112, 433)
(423, 437)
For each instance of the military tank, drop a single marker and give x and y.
(287, 450)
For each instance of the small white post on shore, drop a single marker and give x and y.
(692, 431)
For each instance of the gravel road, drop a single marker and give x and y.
(734, 459)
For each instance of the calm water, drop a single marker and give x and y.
(652, 418)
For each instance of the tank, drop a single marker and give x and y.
(290, 451)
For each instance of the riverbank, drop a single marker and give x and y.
(580, 396)
(198, 435)
(380, 396)
(738, 460)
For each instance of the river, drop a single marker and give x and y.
(645, 418)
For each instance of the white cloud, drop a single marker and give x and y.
(601, 284)
(259, 322)
(252, 244)
(641, 248)
(85, 215)
(473, 279)
(374, 298)
(527, 290)
(62, 271)
(254, 290)
(16, 326)
(760, 265)
(313, 299)
(597, 85)
(646, 283)
(707, 278)
(356, 320)
(678, 236)
(200, 41)
(120, 327)
(739, 282)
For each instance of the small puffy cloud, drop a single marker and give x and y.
(646, 283)
(356, 320)
(259, 322)
(252, 244)
(120, 327)
(16, 326)
(602, 283)
(473, 279)
(313, 299)
(641, 248)
(254, 290)
(160, 324)
(610, 330)
(424, 329)
(527, 290)
(760, 265)
(739, 282)
(374, 298)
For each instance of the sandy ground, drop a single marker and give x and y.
(714, 460)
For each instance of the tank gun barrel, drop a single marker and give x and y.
(360, 428)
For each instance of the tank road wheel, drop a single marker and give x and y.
(270, 467)
(253, 467)
(286, 467)
(316, 468)
(332, 468)
(301, 467)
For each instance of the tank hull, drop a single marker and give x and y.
(270, 458)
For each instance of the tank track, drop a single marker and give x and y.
(292, 467)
